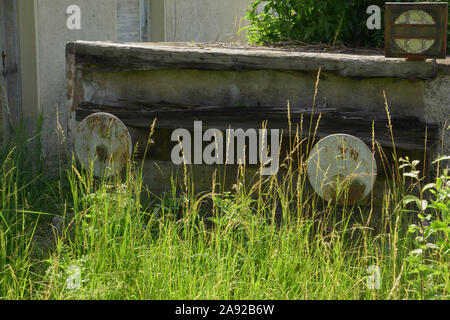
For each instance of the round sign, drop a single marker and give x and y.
(342, 169)
(415, 17)
(104, 140)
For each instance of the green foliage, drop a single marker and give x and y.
(332, 22)
(428, 261)
(114, 247)
(21, 166)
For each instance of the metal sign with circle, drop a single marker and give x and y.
(414, 45)
(105, 140)
(416, 30)
(342, 169)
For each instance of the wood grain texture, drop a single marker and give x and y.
(114, 57)
(409, 133)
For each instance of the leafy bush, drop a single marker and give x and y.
(314, 21)
(428, 262)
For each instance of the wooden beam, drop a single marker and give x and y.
(409, 133)
(115, 57)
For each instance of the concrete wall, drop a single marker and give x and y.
(256, 88)
(128, 18)
(204, 20)
(133, 20)
(98, 22)
(183, 20)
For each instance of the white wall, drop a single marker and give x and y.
(98, 22)
(128, 18)
(204, 20)
(133, 20)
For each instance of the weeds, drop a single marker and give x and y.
(428, 261)
(272, 238)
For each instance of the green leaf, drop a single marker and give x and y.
(439, 206)
(412, 174)
(413, 258)
(428, 186)
(404, 165)
(438, 183)
(415, 163)
(441, 159)
(422, 217)
(432, 246)
(414, 271)
(423, 268)
(422, 204)
(409, 199)
(439, 225)
(413, 228)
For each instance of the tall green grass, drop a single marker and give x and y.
(269, 239)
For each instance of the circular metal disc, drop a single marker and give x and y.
(342, 169)
(411, 45)
(105, 140)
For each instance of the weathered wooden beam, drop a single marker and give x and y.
(115, 57)
(409, 133)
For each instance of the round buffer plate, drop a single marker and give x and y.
(104, 141)
(342, 169)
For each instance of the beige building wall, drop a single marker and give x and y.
(205, 20)
(133, 20)
(128, 20)
(98, 22)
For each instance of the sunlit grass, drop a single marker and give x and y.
(271, 239)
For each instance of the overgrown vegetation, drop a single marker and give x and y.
(332, 22)
(271, 239)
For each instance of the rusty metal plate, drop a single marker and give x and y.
(342, 169)
(105, 140)
(416, 30)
